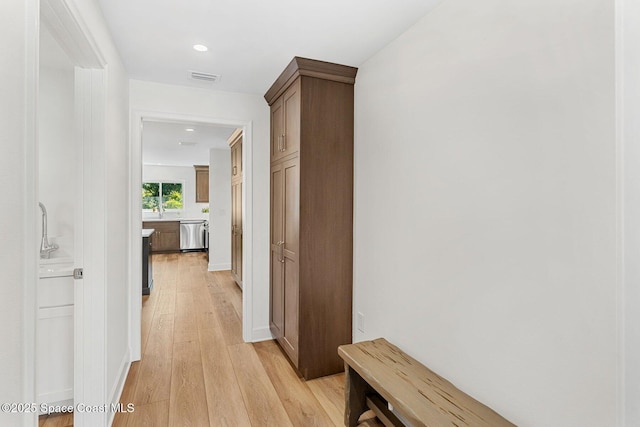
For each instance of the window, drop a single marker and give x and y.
(171, 195)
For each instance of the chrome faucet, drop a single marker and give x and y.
(45, 247)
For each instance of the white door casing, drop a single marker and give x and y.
(73, 35)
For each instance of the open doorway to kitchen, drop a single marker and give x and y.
(192, 153)
(186, 188)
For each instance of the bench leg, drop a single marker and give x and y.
(355, 393)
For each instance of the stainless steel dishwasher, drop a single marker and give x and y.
(192, 234)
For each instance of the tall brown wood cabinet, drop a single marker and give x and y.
(312, 213)
(235, 142)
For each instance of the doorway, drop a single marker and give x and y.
(138, 120)
(69, 145)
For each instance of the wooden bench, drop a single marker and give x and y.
(379, 374)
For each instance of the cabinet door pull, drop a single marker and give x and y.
(235, 170)
(284, 143)
(282, 251)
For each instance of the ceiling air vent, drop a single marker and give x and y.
(203, 77)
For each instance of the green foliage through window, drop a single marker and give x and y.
(171, 195)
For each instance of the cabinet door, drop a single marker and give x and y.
(54, 355)
(276, 269)
(202, 184)
(277, 129)
(166, 237)
(233, 224)
(239, 156)
(236, 160)
(238, 246)
(171, 238)
(233, 221)
(291, 139)
(285, 123)
(291, 226)
(236, 232)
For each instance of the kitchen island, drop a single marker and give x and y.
(147, 266)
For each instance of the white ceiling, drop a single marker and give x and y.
(161, 142)
(250, 41)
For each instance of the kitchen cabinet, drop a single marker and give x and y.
(311, 230)
(235, 142)
(202, 183)
(166, 237)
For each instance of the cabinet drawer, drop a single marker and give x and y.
(55, 291)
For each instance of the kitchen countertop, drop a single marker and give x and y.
(146, 232)
(173, 219)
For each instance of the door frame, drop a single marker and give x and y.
(135, 215)
(90, 88)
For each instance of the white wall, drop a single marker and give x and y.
(184, 174)
(18, 165)
(485, 223)
(220, 213)
(18, 215)
(630, 114)
(56, 150)
(195, 102)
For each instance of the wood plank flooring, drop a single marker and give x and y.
(197, 371)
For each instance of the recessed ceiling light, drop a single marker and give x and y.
(190, 129)
(200, 47)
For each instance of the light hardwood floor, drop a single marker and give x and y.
(197, 371)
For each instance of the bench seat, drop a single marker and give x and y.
(379, 373)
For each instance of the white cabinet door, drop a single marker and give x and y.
(54, 345)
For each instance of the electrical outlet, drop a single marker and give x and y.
(360, 321)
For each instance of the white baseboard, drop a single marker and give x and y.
(60, 397)
(219, 267)
(261, 334)
(116, 390)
